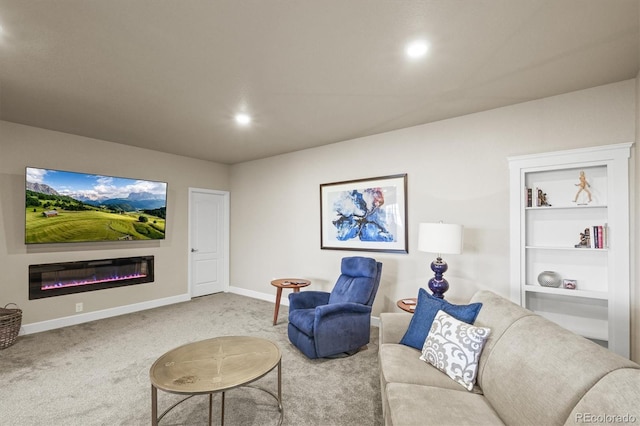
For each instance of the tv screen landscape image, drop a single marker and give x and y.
(63, 207)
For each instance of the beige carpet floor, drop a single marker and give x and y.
(97, 373)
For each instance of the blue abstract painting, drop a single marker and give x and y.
(360, 215)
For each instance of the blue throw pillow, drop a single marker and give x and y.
(426, 310)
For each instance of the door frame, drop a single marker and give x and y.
(225, 235)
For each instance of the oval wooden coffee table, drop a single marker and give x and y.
(293, 283)
(214, 365)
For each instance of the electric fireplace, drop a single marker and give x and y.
(57, 279)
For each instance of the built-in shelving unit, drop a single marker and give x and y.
(548, 234)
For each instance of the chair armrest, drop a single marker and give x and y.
(341, 327)
(325, 311)
(307, 299)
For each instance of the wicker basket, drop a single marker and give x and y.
(10, 322)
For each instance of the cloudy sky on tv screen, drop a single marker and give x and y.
(64, 206)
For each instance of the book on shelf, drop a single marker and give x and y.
(601, 235)
(595, 237)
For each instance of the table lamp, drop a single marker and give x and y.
(440, 238)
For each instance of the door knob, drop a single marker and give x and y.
(194, 250)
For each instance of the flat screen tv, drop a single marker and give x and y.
(66, 207)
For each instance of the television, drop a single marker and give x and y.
(70, 207)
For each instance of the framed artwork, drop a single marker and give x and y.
(365, 214)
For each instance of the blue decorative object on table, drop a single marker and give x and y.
(440, 238)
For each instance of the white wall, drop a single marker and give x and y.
(457, 172)
(22, 146)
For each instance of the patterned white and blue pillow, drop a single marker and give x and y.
(454, 347)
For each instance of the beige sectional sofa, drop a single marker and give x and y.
(531, 372)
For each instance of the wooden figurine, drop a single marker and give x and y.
(583, 185)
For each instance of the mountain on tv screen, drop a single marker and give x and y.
(63, 207)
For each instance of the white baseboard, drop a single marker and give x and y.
(37, 327)
(375, 321)
(284, 300)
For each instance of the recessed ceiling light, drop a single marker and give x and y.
(417, 49)
(243, 119)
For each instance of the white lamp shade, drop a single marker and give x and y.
(440, 238)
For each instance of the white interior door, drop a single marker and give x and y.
(209, 241)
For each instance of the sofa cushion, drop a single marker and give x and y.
(454, 347)
(499, 314)
(538, 371)
(612, 396)
(402, 364)
(419, 405)
(426, 310)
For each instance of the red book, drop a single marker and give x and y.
(600, 238)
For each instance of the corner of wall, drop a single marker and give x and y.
(634, 230)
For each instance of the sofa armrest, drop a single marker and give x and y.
(393, 325)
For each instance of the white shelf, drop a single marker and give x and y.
(543, 238)
(587, 249)
(600, 295)
(567, 207)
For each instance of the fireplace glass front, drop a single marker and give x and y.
(57, 279)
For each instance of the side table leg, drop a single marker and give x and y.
(275, 314)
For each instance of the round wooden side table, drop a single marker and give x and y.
(293, 283)
(408, 304)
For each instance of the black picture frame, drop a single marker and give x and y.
(365, 214)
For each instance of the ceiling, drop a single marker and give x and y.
(170, 75)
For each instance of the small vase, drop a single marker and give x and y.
(549, 279)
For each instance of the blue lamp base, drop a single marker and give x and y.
(438, 285)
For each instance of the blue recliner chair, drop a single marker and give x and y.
(324, 324)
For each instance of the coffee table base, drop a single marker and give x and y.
(154, 402)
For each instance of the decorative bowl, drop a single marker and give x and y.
(549, 279)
